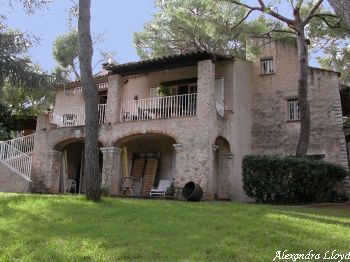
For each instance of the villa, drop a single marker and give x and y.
(190, 117)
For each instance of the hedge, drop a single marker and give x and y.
(276, 179)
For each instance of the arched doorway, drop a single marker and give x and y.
(72, 178)
(222, 169)
(145, 160)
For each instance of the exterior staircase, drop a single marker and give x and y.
(16, 155)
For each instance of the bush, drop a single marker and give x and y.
(274, 179)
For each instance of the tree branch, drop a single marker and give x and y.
(279, 31)
(247, 6)
(312, 12)
(265, 10)
(323, 18)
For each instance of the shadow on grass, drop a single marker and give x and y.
(71, 228)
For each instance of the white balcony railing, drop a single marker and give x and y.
(100, 86)
(159, 107)
(75, 116)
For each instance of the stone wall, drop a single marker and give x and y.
(272, 133)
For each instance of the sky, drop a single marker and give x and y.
(116, 20)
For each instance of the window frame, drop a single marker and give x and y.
(266, 60)
(295, 111)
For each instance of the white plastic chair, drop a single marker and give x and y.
(71, 184)
(161, 189)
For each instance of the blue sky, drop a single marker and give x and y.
(117, 20)
(112, 18)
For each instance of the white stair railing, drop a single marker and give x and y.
(75, 116)
(24, 144)
(159, 107)
(15, 155)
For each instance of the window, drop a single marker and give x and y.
(293, 109)
(183, 89)
(267, 66)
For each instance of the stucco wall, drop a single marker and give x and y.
(11, 182)
(68, 100)
(140, 85)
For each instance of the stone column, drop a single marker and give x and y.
(111, 175)
(179, 177)
(115, 91)
(206, 90)
(53, 171)
(46, 163)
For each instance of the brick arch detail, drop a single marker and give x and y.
(63, 141)
(154, 131)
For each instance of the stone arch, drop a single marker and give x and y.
(223, 168)
(133, 133)
(146, 158)
(59, 146)
(71, 163)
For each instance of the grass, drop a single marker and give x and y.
(68, 228)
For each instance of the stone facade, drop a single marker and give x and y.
(207, 148)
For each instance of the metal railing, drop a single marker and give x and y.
(159, 107)
(75, 116)
(100, 86)
(15, 154)
(24, 144)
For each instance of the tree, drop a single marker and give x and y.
(15, 66)
(303, 14)
(5, 122)
(342, 9)
(91, 164)
(31, 5)
(24, 102)
(66, 51)
(183, 26)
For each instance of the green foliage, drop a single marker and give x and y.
(328, 35)
(5, 122)
(183, 26)
(337, 58)
(164, 90)
(15, 67)
(274, 179)
(347, 122)
(24, 102)
(66, 49)
(69, 228)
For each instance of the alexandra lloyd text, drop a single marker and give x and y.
(333, 255)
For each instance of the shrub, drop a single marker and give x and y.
(275, 179)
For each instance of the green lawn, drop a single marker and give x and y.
(65, 228)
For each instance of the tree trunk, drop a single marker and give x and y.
(342, 9)
(91, 163)
(302, 95)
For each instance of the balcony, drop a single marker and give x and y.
(134, 110)
(75, 116)
(159, 108)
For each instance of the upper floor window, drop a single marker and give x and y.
(266, 66)
(293, 109)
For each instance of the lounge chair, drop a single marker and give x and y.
(161, 189)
